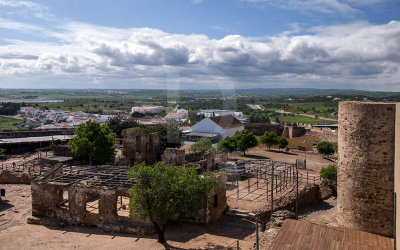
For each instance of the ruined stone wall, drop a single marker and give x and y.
(217, 204)
(260, 128)
(140, 146)
(174, 156)
(7, 177)
(366, 166)
(292, 131)
(62, 150)
(6, 134)
(51, 207)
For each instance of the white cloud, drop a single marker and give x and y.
(27, 8)
(344, 7)
(358, 55)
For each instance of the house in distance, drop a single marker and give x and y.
(215, 128)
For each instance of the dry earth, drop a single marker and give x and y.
(15, 233)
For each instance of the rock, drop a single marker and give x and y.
(280, 216)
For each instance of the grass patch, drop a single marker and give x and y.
(7, 123)
(298, 141)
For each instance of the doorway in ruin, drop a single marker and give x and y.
(123, 207)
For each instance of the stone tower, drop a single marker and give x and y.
(366, 166)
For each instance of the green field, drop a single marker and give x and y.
(7, 123)
(304, 119)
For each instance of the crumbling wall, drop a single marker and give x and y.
(62, 150)
(174, 156)
(293, 131)
(6, 177)
(140, 146)
(45, 199)
(260, 128)
(366, 166)
(48, 202)
(217, 204)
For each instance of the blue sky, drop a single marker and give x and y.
(193, 44)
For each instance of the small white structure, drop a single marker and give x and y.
(179, 115)
(225, 126)
(148, 109)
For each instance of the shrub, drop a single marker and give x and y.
(326, 148)
(329, 173)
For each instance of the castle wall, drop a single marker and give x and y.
(366, 140)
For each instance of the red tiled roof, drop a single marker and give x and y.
(227, 121)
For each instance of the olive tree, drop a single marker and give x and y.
(163, 193)
(269, 139)
(93, 141)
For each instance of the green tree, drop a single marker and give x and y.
(282, 142)
(2, 152)
(163, 193)
(329, 173)
(325, 148)
(116, 124)
(226, 145)
(245, 140)
(202, 146)
(171, 135)
(269, 139)
(93, 141)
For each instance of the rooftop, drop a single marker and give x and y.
(227, 121)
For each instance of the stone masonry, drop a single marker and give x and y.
(140, 146)
(366, 166)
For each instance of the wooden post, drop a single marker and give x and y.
(272, 190)
(248, 185)
(267, 189)
(257, 236)
(237, 185)
(307, 177)
(257, 178)
(297, 194)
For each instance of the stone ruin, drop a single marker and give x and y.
(99, 196)
(140, 146)
(366, 166)
(202, 163)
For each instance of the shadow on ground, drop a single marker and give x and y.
(230, 227)
(4, 205)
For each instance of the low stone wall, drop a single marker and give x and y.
(48, 205)
(174, 156)
(7, 177)
(260, 128)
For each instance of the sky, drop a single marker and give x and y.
(200, 44)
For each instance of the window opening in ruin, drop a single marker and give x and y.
(92, 205)
(123, 207)
(215, 204)
(64, 203)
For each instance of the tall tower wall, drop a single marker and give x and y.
(366, 140)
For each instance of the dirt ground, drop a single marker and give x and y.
(15, 233)
(315, 162)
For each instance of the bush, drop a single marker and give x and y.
(326, 148)
(202, 146)
(329, 173)
(226, 145)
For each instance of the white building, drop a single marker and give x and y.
(224, 126)
(148, 109)
(179, 115)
